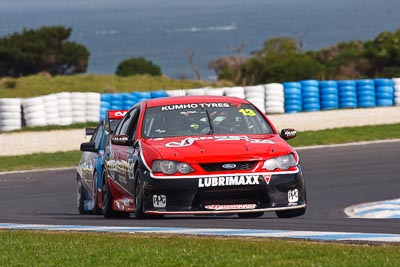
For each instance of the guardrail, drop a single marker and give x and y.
(273, 98)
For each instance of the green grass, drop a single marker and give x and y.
(38, 85)
(24, 248)
(346, 135)
(322, 137)
(39, 161)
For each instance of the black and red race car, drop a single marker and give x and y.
(201, 155)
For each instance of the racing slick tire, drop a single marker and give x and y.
(290, 213)
(80, 198)
(96, 209)
(139, 197)
(250, 215)
(107, 198)
(139, 194)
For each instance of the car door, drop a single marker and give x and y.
(88, 164)
(121, 152)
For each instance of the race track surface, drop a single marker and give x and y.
(336, 177)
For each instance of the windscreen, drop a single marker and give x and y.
(203, 119)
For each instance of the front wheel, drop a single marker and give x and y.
(107, 202)
(139, 195)
(290, 213)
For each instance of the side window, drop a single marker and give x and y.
(97, 135)
(125, 126)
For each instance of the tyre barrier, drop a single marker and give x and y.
(10, 114)
(384, 89)
(329, 95)
(396, 94)
(347, 92)
(274, 98)
(290, 97)
(310, 95)
(365, 93)
(293, 98)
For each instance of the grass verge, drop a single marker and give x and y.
(322, 137)
(38, 85)
(23, 248)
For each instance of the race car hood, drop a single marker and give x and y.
(215, 148)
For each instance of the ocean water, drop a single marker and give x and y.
(165, 31)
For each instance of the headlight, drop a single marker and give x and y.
(170, 167)
(282, 162)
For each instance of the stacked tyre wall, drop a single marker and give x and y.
(273, 98)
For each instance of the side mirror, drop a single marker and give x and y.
(288, 133)
(121, 140)
(88, 147)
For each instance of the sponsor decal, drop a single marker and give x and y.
(190, 141)
(267, 178)
(231, 207)
(194, 105)
(159, 201)
(116, 114)
(124, 204)
(293, 196)
(229, 181)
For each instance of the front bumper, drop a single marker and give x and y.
(225, 194)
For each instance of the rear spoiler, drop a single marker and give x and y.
(90, 130)
(112, 118)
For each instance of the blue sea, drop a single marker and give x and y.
(165, 31)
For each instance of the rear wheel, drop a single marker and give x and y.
(80, 198)
(290, 213)
(96, 209)
(250, 214)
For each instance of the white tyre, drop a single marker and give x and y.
(65, 121)
(35, 115)
(64, 96)
(36, 122)
(199, 91)
(397, 101)
(10, 115)
(215, 91)
(10, 122)
(274, 87)
(10, 108)
(255, 94)
(397, 94)
(34, 101)
(10, 101)
(274, 104)
(9, 128)
(276, 97)
(396, 81)
(234, 90)
(92, 118)
(176, 92)
(274, 110)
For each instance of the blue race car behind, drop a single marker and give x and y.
(90, 167)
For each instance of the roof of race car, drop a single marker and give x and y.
(193, 99)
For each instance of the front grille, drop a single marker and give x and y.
(240, 166)
(229, 197)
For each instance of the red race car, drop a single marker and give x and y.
(201, 155)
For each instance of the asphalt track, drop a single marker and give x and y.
(336, 177)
